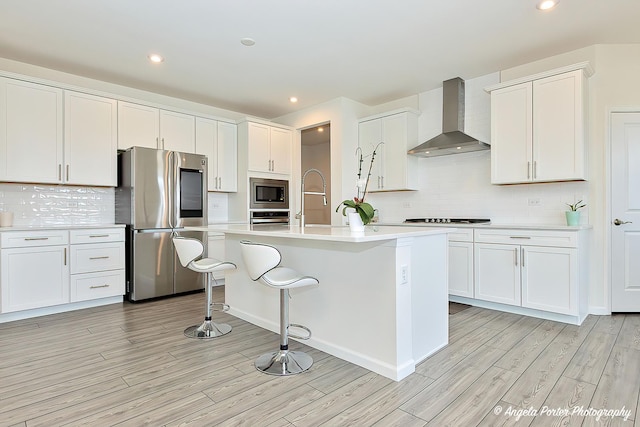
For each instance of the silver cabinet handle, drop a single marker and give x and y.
(620, 222)
(219, 183)
(515, 255)
(99, 286)
(528, 170)
(535, 170)
(158, 142)
(163, 143)
(67, 172)
(59, 172)
(382, 181)
(522, 256)
(65, 256)
(36, 238)
(98, 257)
(519, 237)
(93, 236)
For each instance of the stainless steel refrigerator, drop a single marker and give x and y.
(159, 192)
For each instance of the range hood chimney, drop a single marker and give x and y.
(452, 140)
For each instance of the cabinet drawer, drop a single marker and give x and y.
(97, 235)
(97, 257)
(461, 235)
(554, 238)
(97, 285)
(25, 239)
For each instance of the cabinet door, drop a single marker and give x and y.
(281, 145)
(550, 279)
(138, 125)
(558, 129)
(369, 136)
(31, 146)
(461, 269)
(227, 157)
(90, 139)
(393, 153)
(34, 277)
(259, 151)
(177, 132)
(497, 273)
(511, 138)
(206, 139)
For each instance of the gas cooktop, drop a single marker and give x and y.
(449, 220)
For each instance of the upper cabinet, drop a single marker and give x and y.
(393, 168)
(268, 148)
(90, 139)
(219, 142)
(144, 126)
(538, 127)
(48, 135)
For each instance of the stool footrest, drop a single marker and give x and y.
(223, 307)
(299, 337)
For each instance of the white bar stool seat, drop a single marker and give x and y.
(262, 263)
(189, 250)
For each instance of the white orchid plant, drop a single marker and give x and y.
(364, 209)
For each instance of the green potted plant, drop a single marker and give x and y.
(573, 215)
(364, 210)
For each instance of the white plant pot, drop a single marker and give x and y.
(355, 222)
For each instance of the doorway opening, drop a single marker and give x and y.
(315, 153)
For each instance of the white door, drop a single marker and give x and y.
(227, 152)
(497, 273)
(625, 211)
(281, 145)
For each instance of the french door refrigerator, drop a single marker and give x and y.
(160, 192)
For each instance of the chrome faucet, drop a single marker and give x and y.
(316, 193)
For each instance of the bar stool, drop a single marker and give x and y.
(262, 262)
(188, 251)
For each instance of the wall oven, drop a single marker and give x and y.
(269, 193)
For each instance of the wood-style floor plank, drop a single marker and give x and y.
(131, 365)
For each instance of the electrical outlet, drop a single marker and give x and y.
(534, 201)
(404, 274)
(406, 204)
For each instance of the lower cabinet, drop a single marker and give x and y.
(533, 269)
(461, 263)
(34, 275)
(52, 267)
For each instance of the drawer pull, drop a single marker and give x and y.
(36, 238)
(99, 286)
(98, 257)
(94, 236)
(519, 237)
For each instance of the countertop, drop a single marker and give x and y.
(325, 232)
(59, 227)
(494, 225)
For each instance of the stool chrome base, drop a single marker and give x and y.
(207, 329)
(284, 362)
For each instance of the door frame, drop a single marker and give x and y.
(608, 215)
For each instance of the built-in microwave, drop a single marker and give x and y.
(269, 193)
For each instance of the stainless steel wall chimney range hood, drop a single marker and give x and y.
(452, 140)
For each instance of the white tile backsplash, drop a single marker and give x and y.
(218, 207)
(42, 205)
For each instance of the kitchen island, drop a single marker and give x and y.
(382, 302)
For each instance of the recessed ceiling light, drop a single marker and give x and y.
(321, 129)
(547, 4)
(248, 41)
(293, 99)
(155, 58)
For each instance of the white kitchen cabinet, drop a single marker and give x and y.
(535, 269)
(538, 128)
(219, 142)
(34, 270)
(269, 148)
(215, 249)
(31, 132)
(393, 168)
(145, 126)
(97, 258)
(461, 263)
(90, 140)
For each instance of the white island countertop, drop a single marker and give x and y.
(325, 232)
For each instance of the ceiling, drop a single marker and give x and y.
(371, 51)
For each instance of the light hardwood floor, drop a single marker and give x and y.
(129, 364)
